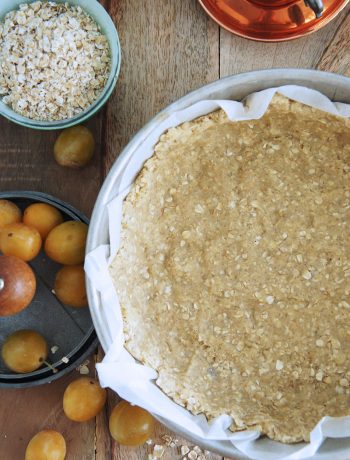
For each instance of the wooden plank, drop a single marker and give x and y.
(103, 440)
(240, 55)
(336, 57)
(27, 163)
(168, 49)
(25, 412)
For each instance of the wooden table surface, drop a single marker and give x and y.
(169, 48)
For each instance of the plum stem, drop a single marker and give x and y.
(50, 366)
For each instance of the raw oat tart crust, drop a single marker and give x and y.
(234, 268)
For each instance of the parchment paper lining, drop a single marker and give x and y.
(135, 382)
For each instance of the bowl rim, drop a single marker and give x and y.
(21, 120)
(257, 78)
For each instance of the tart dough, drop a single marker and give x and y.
(234, 268)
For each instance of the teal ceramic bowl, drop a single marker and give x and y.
(102, 18)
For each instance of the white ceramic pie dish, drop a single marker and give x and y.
(236, 87)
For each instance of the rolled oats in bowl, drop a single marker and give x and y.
(54, 60)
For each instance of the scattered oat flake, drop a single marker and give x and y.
(185, 450)
(65, 359)
(83, 370)
(169, 441)
(158, 451)
(54, 349)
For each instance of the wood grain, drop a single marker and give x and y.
(25, 412)
(103, 441)
(336, 57)
(27, 163)
(169, 48)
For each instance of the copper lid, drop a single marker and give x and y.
(272, 20)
